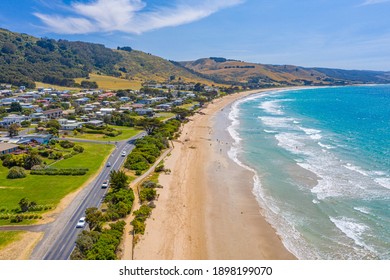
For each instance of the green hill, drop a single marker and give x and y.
(252, 74)
(25, 60)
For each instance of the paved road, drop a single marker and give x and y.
(59, 239)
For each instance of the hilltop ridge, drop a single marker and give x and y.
(26, 60)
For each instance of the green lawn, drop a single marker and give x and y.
(7, 237)
(127, 132)
(189, 105)
(49, 190)
(164, 116)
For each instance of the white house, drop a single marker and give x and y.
(7, 121)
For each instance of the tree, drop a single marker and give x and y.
(53, 124)
(150, 124)
(32, 159)
(25, 204)
(118, 180)
(94, 218)
(13, 130)
(53, 131)
(16, 172)
(16, 107)
(181, 113)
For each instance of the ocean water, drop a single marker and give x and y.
(321, 164)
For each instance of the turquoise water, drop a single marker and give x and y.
(321, 163)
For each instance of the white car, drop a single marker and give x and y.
(105, 185)
(108, 164)
(123, 153)
(81, 223)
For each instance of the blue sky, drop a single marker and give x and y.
(348, 34)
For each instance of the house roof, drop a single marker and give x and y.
(7, 146)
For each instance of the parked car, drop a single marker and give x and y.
(81, 223)
(105, 185)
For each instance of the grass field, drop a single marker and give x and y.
(49, 190)
(8, 237)
(113, 83)
(39, 84)
(127, 132)
(164, 116)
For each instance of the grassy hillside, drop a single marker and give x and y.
(139, 66)
(25, 60)
(233, 71)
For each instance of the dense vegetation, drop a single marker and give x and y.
(149, 148)
(101, 243)
(25, 59)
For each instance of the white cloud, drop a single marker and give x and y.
(130, 16)
(372, 2)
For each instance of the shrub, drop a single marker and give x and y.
(16, 172)
(55, 155)
(63, 172)
(148, 194)
(78, 149)
(66, 144)
(159, 168)
(141, 166)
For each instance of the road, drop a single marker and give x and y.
(59, 239)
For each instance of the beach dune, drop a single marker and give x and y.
(206, 210)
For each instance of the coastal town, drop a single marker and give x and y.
(48, 132)
(25, 114)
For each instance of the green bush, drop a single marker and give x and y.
(147, 194)
(63, 172)
(66, 144)
(16, 172)
(78, 149)
(141, 166)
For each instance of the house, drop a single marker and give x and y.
(178, 102)
(137, 106)
(165, 107)
(81, 101)
(107, 111)
(6, 92)
(53, 113)
(39, 116)
(144, 111)
(95, 123)
(71, 125)
(40, 138)
(124, 99)
(8, 101)
(7, 121)
(6, 148)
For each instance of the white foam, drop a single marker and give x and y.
(356, 168)
(329, 147)
(352, 229)
(277, 122)
(272, 107)
(270, 131)
(384, 182)
(310, 131)
(363, 210)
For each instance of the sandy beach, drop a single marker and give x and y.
(206, 209)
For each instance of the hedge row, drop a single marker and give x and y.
(64, 172)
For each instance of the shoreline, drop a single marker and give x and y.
(206, 209)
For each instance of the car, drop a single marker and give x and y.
(105, 184)
(123, 153)
(108, 164)
(81, 223)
